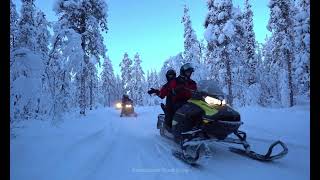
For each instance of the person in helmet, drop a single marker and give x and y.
(180, 89)
(125, 100)
(184, 85)
(167, 92)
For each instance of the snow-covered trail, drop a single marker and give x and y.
(104, 146)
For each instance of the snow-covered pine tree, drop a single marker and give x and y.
(301, 63)
(173, 62)
(26, 66)
(281, 26)
(14, 19)
(108, 83)
(145, 96)
(126, 71)
(203, 71)
(27, 34)
(148, 86)
(249, 43)
(42, 47)
(92, 84)
(192, 51)
(268, 70)
(87, 18)
(63, 60)
(219, 34)
(237, 59)
(43, 34)
(25, 86)
(214, 64)
(155, 84)
(203, 51)
(119, 88)
(137, 77)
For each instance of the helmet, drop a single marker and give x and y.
(186, 67)
(125, 96)
(170, 74)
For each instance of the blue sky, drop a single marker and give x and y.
(153, 28)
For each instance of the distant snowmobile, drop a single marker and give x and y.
(206, 118)
(128, 110)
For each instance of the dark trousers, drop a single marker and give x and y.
(170, 111)
(168, 118)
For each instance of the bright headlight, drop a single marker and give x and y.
(118, 105)
(128, 106)
(214, 101)
(224, 102)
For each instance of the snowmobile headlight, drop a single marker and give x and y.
(118, 105)
(224, 102)
(128, 106)
(214, 101)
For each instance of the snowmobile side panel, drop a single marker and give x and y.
(185, 118)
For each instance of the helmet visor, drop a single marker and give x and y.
(171, 75)
(187, 67)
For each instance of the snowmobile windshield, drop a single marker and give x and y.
(210, 87)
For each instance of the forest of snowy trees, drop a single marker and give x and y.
(53, 65)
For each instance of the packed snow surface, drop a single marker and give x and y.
(104, 146)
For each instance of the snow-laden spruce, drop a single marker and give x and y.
(108, 85)
(126, 71)
(153, 81)
(301, 63)
(14, 19)
(192, 51)
(281, 25)
(137, 79)
(87, 18)
(219, 24)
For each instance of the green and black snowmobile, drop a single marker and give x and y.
(206, 118)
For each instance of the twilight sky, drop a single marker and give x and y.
(153, 28)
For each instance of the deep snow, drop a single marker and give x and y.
(104, 146)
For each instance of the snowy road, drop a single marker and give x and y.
(104, 146)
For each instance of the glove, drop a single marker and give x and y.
(152, 91)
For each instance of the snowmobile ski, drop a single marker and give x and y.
(267, 157)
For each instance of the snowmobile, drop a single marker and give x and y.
(128, 110)
(207, 118)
